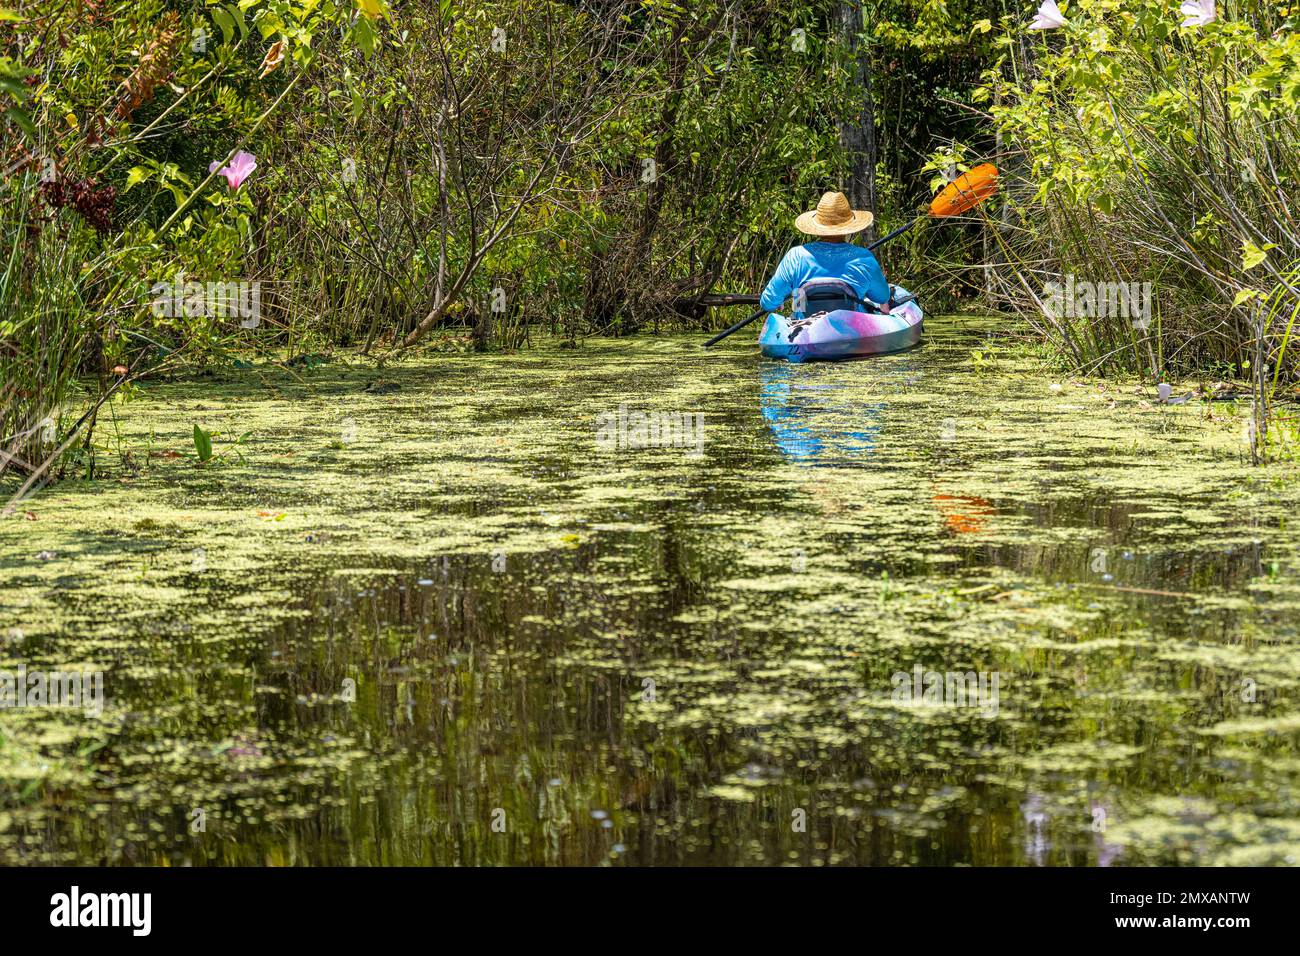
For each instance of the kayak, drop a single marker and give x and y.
(842, 333)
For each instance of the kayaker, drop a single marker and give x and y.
(830, 256)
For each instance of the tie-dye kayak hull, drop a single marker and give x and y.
(842, 334)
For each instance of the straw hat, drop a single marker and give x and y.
(833, 217)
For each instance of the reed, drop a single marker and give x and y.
(1145, 152)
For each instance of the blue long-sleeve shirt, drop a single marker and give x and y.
(826, 260)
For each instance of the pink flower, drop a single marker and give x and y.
(1198, 13)
(241, 167)
(1049, 17)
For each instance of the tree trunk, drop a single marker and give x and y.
(858, 133)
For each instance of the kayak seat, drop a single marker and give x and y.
(827, 295)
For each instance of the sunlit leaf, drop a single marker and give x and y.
(1252, 255)
(226, 23)
(374, 9)
(135, 177)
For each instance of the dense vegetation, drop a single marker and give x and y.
(453, 175)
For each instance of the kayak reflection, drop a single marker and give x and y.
(815, 424)
(810, 420)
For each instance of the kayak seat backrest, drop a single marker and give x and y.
(825, 295)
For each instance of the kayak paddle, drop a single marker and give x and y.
(961, 195)
(735, 328)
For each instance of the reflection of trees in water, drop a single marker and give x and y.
(1131, 565)
(496, 714)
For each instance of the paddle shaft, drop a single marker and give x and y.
(735, 328)
(897, 232)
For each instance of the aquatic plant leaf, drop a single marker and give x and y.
(202, 443)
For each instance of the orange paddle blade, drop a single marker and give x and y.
(966, 191)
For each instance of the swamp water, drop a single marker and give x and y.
(450, 620)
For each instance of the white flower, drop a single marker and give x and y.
(1198, 12)
(1049, 17)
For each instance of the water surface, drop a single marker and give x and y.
(424, 615)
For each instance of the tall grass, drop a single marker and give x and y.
(49, 330)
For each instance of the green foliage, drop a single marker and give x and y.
(1145, 150)
(468, 171)
(114, 122)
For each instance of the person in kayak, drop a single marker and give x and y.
(830, 256)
